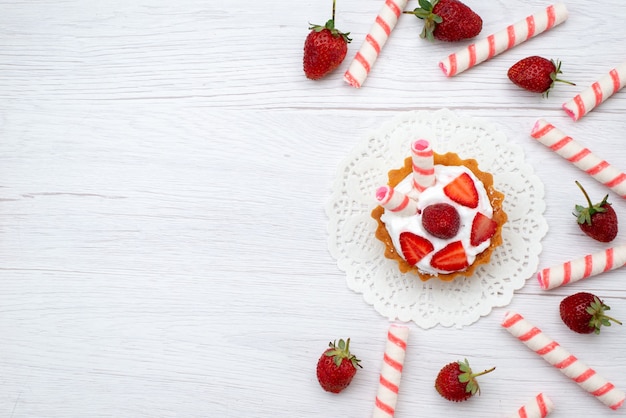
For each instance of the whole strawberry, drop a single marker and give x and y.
(598, 221)
(536, 74)
(583, 313)
(336, 367)
(447, 20)
(441, 220)
(456, 382)
(325, 48)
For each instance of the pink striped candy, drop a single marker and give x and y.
(396, 201)
(580, 156)
(597, 93)
(503, 40)
(391, 372)
(539, 407)
(423, 164)
(552, 352)
(374, 41)
(587, 266)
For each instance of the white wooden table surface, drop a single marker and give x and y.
(163, 172)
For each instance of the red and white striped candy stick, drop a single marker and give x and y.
(423, 164)
(581, 268)
(396, 201)
(597, 93)
(539, 407)
(565, 362)
(391, 372)
(503, 40)
(374, 42)
(580, 156)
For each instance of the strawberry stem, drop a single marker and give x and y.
(584, 192)
(333, 15)
(483, 372)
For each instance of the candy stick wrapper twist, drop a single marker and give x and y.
(423, 164)
(582, 268)
(539, 407)
(565, 362)
(396, 201)
(374, 41)
(598, 92)
(391, 372)
(503, 40)
(580, 156)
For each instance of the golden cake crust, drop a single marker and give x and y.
(496, 199)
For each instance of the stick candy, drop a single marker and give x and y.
(391, 372)
(423, 164)
(580, 156)
(396, 201)
(587, 266)
(503, 40)
(598, 92)
(374, 42)
(565, 362)
(539, 407)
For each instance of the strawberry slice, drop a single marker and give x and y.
(450, 258)
(463, 191)
(414, 247)
(483, 228)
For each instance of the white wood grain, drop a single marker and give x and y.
(163, 172)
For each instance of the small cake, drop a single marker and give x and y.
(439, 215)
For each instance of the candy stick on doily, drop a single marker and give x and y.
(391, 371)
(581, 268)
(503, 40)
(539, 407)
(396, 201)
(374, 41)
(565, 362)
(598, 92)
(423, 164)
(580, 156)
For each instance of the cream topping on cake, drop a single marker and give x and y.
(396, 223)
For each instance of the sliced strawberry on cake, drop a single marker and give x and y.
(483, 228)
(452, 257)
(462, 190)
(414, 247)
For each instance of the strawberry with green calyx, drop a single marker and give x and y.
(325, 48)
(598, 221)
(447, 20)
(584, 313)
(337, 366)
(536, 74)
(456, 381)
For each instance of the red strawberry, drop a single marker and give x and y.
(336, 367)
(441, 220)
(452, 257)
(414, 247)
(483, 229)
(456, 382)
(325, 48)
(584, 313)
(536, 74)
(599, 221)
(447, 20)
(463, 191)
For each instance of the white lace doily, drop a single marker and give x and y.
(405, 297)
